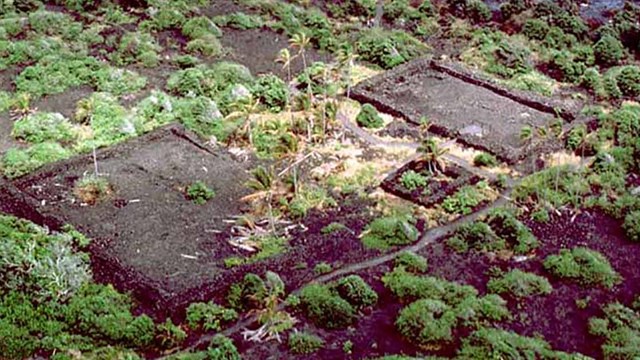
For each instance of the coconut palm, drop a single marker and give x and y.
(346, 60)
(432, 155)
(301, 42)
(244, 110)
(284, 57)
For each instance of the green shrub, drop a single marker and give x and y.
(576, 136)
(412, 180)
(463, 201)
(271, 91)
(476, 235)
(514, 232)
(91, 189)
(356, 291)
(17, 162)
(209, 316)
(55, 74)
(207, 45)
(565, 67)
(477, 11)
(512, 7)
(632, 225)
(239, 20)
(246, 294)
(412, 262)
(41, 127)
(583, 265)
(222, 348)
(326, 309)
(620, 328)
(304, 343)
(386, 232)
(200, 193)
(388, 49)
(484, 159)
(426, 322)
(170, 335)
(197, 27)
(628, 81)
(210, 81)
(136, 47)
(119, 81)
(109, 121)
(520, 284)
(410, 287)
(333, 228)
(489, 343)
(608, 51)
(322, 268)
(165, 17)
(368, 117)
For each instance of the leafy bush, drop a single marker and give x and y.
(222, 348)
(119, 81)
(322, 268)
(17, 162)
(463, 201)
(170, 335)
(41, 127)
(620, 328)
(608, 51)
(587, 267)
(356, 291)
(55, 74)
(271, 91)
(412, 262)
(632, 225)
(197, 27)
(628, 81)
(209, 316)
(246, 294)
(388, 49)
(477, 235)
(386, 232)
(210, 81)
(326, 309)
(333, 227)
(477, 11)
(239, 20)
(490, 343)
(412, 180)
(484, 159)
(304, 343)
(136, 47)
(207, 45)
(368, 117)
(108, 119)
(514, 232)
(520, 284)
(200, 193)
(426, 322)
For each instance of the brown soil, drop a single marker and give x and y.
(474, 114)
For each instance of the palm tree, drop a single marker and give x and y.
(301, 41)
(284, 57)
(346, 60)
(432, 155)
(245, 110)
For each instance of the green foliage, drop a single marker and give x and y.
(440, 307)
(41, 127)
(490, 343)
(222, 348)
(55, 74)
(239, 21)
(17, 162)
(91, 189)
(119, 81)
(307, 198)
(476, 235)
(587, 267)
(632, 225)
(477, 11)
(170, 335)
(325, 308)
(540, 187)
(356, 291)
(389, 231)
(620, 328)
(304, 343)
(628, 81)
(246, 294)
(412, 180)
(463, 201)
(520, 284)
(411, 262)
(136, 47)
(322, 268)
(197, 27)
(608, 51)
(200, 193)
(514, 232)
(426, 321)
(52, 23)
(271, 91)
(333, 228)
(209, 316)
(484, 159)
(387, 49)
(210, 81)
(207, 45)
(108, 119)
